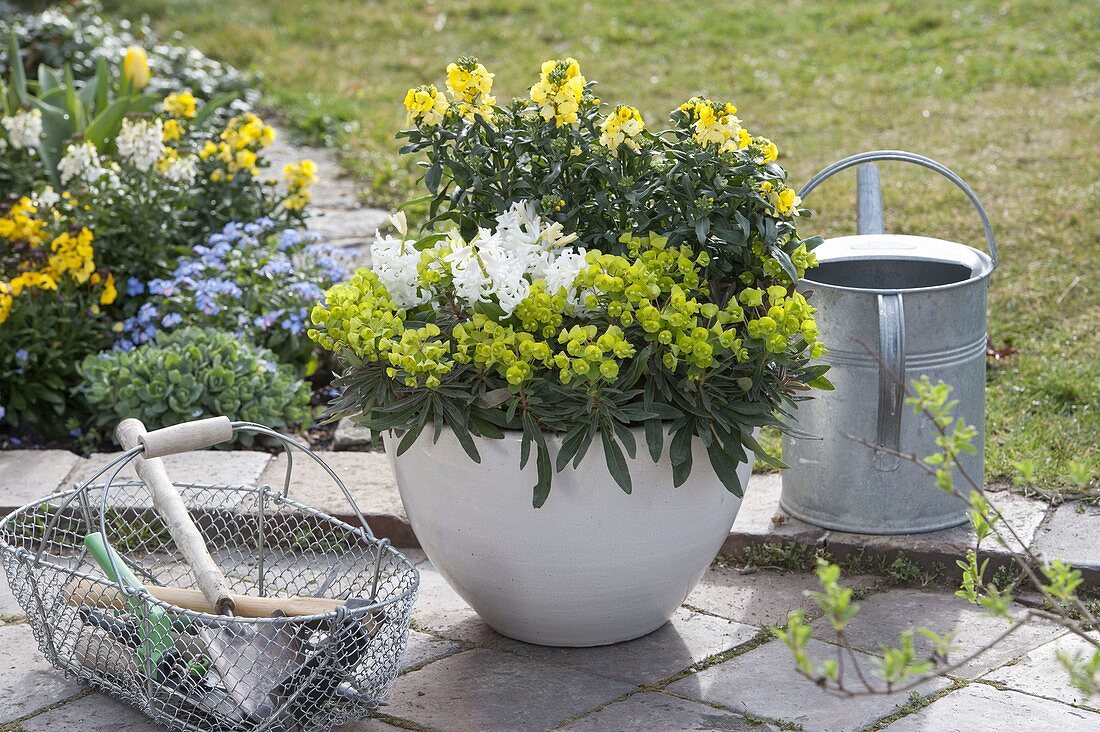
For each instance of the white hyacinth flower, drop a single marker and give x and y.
(471, 282)
(81, 163)
(24, 129)
(141, 142)
(394, 260)
(562, 273)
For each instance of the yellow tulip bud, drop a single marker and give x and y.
(135, 67)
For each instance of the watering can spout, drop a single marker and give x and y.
(869, 218)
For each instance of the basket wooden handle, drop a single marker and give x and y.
(186, 437)
(166, 499)
(91, 593)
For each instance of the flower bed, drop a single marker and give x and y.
(137, 205)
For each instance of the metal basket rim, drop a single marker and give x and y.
(383, 544)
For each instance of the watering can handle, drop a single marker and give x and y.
(907, 157)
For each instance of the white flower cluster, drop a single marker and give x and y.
(81, 162)
(24, 129)
(141, 142)
(500, 263)
(394, 260)
(183, 170)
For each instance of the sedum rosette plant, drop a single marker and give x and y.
(190, 374)
(581, 276)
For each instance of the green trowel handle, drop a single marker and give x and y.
(103, 554)
(158, 640)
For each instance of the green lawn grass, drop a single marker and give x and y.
(1006, 92)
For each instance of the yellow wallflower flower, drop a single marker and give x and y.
(181, 104)
(173, 130)
(621, 127)
(714, 123)
(471, 84)
(559, 91)
(768, 149)
(110, 292)
(299, 177)
(425, 105)
(21, 225)
(245, 160)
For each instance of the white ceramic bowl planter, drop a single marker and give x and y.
(593, 565)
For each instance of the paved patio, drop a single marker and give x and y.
(713, 667)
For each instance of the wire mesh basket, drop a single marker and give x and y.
(192, 669)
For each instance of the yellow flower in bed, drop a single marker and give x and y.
(110, 292)
(135, 67)
(73, 255)
(173, 130)
(559, 91)
(299, 177)
(20, 223)
(180, 104)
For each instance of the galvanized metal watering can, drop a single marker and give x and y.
(920, 305)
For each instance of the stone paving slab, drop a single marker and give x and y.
(759, 598)
(981, 708)
(441, 611)
(26, 475)
(348, 224)
(687, 639)
(883, 616)
(231, 467)
(1071, 535)
(459, 674)
(1040, 673)
(93, 713)
(761, 520)
(8, 606)
(1023, 514)
(483, 690)
(764, 683)
(656, 712)
(27, 682)
(424, 648)
(367, 476)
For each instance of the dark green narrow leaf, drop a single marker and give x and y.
(433, 176)
(408, 440)
(102, 84)
(545, 476)
(655, 438)
(725, 467)
(681, 471)
(454, 419)
(761, 454)
(570, 444)
(18, 76)
(616, 463)
(680, 448)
